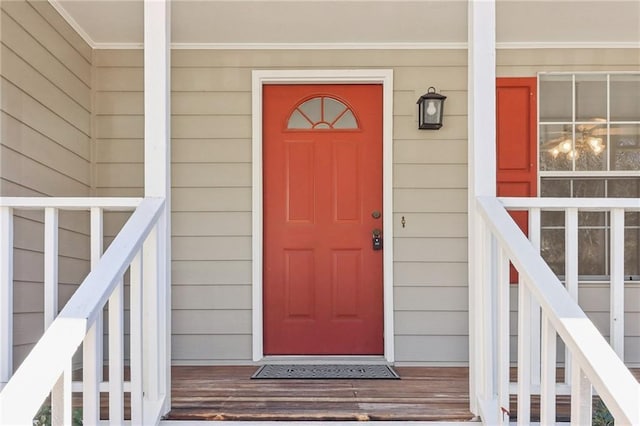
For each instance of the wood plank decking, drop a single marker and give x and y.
(228, 393)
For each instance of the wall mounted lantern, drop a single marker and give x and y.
(430, 106)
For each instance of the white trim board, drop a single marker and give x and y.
(76, 27)
(373, 46)
(365, 76)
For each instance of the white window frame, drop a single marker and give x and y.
(581, 174)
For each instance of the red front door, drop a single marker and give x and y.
(322, 279)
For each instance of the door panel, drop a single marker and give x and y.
(322, 281)
(516, 143)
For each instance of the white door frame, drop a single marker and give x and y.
(365, 76)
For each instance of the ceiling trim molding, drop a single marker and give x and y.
(370, 46)
(119, 46)
(72, 22)
(569, 45)
(295, 46)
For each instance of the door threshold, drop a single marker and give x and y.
(324, 359)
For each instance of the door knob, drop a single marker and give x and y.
(376, 214)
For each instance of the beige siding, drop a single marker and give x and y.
(211, 194)
(119, 124)
(45, 149)
(528, 62)
(211, 178)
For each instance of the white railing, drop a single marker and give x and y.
(592, 362)
(48, 367)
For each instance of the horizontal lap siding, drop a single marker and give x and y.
(211, 194)
(593, 298)
(45, 150)
(430, 194)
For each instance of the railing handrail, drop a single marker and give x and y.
(36, 376)
(608, 374)
(71, 203)
(555, 203)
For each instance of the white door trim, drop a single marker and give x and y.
(366, 76)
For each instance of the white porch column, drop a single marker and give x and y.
(157, 170)
(482, 181)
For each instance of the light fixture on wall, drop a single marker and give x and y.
(430, 110)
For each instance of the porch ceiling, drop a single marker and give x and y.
(110, 22)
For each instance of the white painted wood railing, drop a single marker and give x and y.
(593, 362)
(47, 369)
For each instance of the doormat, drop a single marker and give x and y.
(333, 371)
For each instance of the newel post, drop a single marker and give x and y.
(482, 182)
(157, 183)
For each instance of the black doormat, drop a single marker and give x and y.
(333, 371)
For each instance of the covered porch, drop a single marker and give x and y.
(132, 281)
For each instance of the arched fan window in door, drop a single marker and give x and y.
(322, 112)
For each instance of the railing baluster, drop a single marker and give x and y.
(504, 360)
(571, 271)
(581, 397)
(524, 353)
(92, 346)
(534, 237)
(97, 248)
(135, 333)
(6, 295)
(617, 282)
(548, 374)
(116, 355)
(61, 392)
(90, 374)
(151, 335)
(61, 399)
(50, 265)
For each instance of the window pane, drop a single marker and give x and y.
(591, 147)
(332, 109)
(556, 147)
(555, 188)
(592, 252)
(555, 98)
(624, 188)
(588, 188)
(625, 97)
(552, 219)
(625, 147)
(552, 249)
(347, 121)
(298, 121)
(591, 97)
(312, 109)
(587, 219)
(322, 113)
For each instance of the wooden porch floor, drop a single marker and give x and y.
(229, 393)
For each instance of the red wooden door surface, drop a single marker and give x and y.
(516, 162)
(322, 280)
